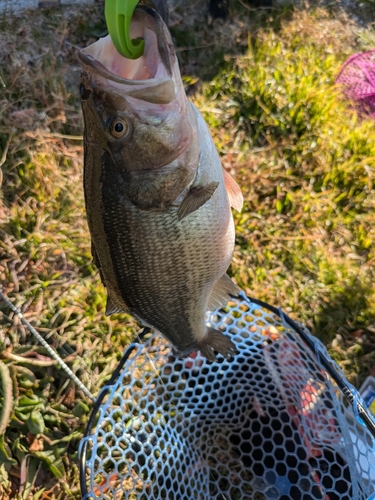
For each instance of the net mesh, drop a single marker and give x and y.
(358, 79)
(268, 424)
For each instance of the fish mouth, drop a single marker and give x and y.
(153, 68)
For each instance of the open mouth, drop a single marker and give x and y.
(103, 58)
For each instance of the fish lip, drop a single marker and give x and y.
(130, 88)
(97, 67)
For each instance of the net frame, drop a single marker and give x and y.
(359, 416)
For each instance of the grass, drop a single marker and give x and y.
(305, 239)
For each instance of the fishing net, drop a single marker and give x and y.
(358, 79)
(278, 421)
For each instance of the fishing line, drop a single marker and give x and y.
(48, 348)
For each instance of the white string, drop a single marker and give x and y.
(48, 348)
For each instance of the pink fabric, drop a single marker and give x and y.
(357, 76)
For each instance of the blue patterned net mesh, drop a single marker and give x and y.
(267, 425)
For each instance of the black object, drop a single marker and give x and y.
(258, 3)
(218, 9)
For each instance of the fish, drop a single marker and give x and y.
(158, 201)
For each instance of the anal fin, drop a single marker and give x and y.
(111, 308)
(96, 261)
(196, 198)
(221, 293)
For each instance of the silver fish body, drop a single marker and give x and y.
(156, 194)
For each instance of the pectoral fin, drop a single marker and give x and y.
(221, 293)
(196, 198)
(234, 191)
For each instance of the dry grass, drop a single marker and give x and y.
(305, 239)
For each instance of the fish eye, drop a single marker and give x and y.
(85, 93)
(118, 128)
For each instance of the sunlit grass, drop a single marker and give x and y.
(306, 163)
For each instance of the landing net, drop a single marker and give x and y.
(278, 421)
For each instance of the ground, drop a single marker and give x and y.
(265, 82)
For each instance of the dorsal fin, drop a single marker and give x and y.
(234, 191)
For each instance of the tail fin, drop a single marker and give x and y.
(216, 341)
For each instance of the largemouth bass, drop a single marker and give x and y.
(157, 198)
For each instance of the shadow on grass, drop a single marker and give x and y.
(203, 45)
(347, 324)
(346, 312)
